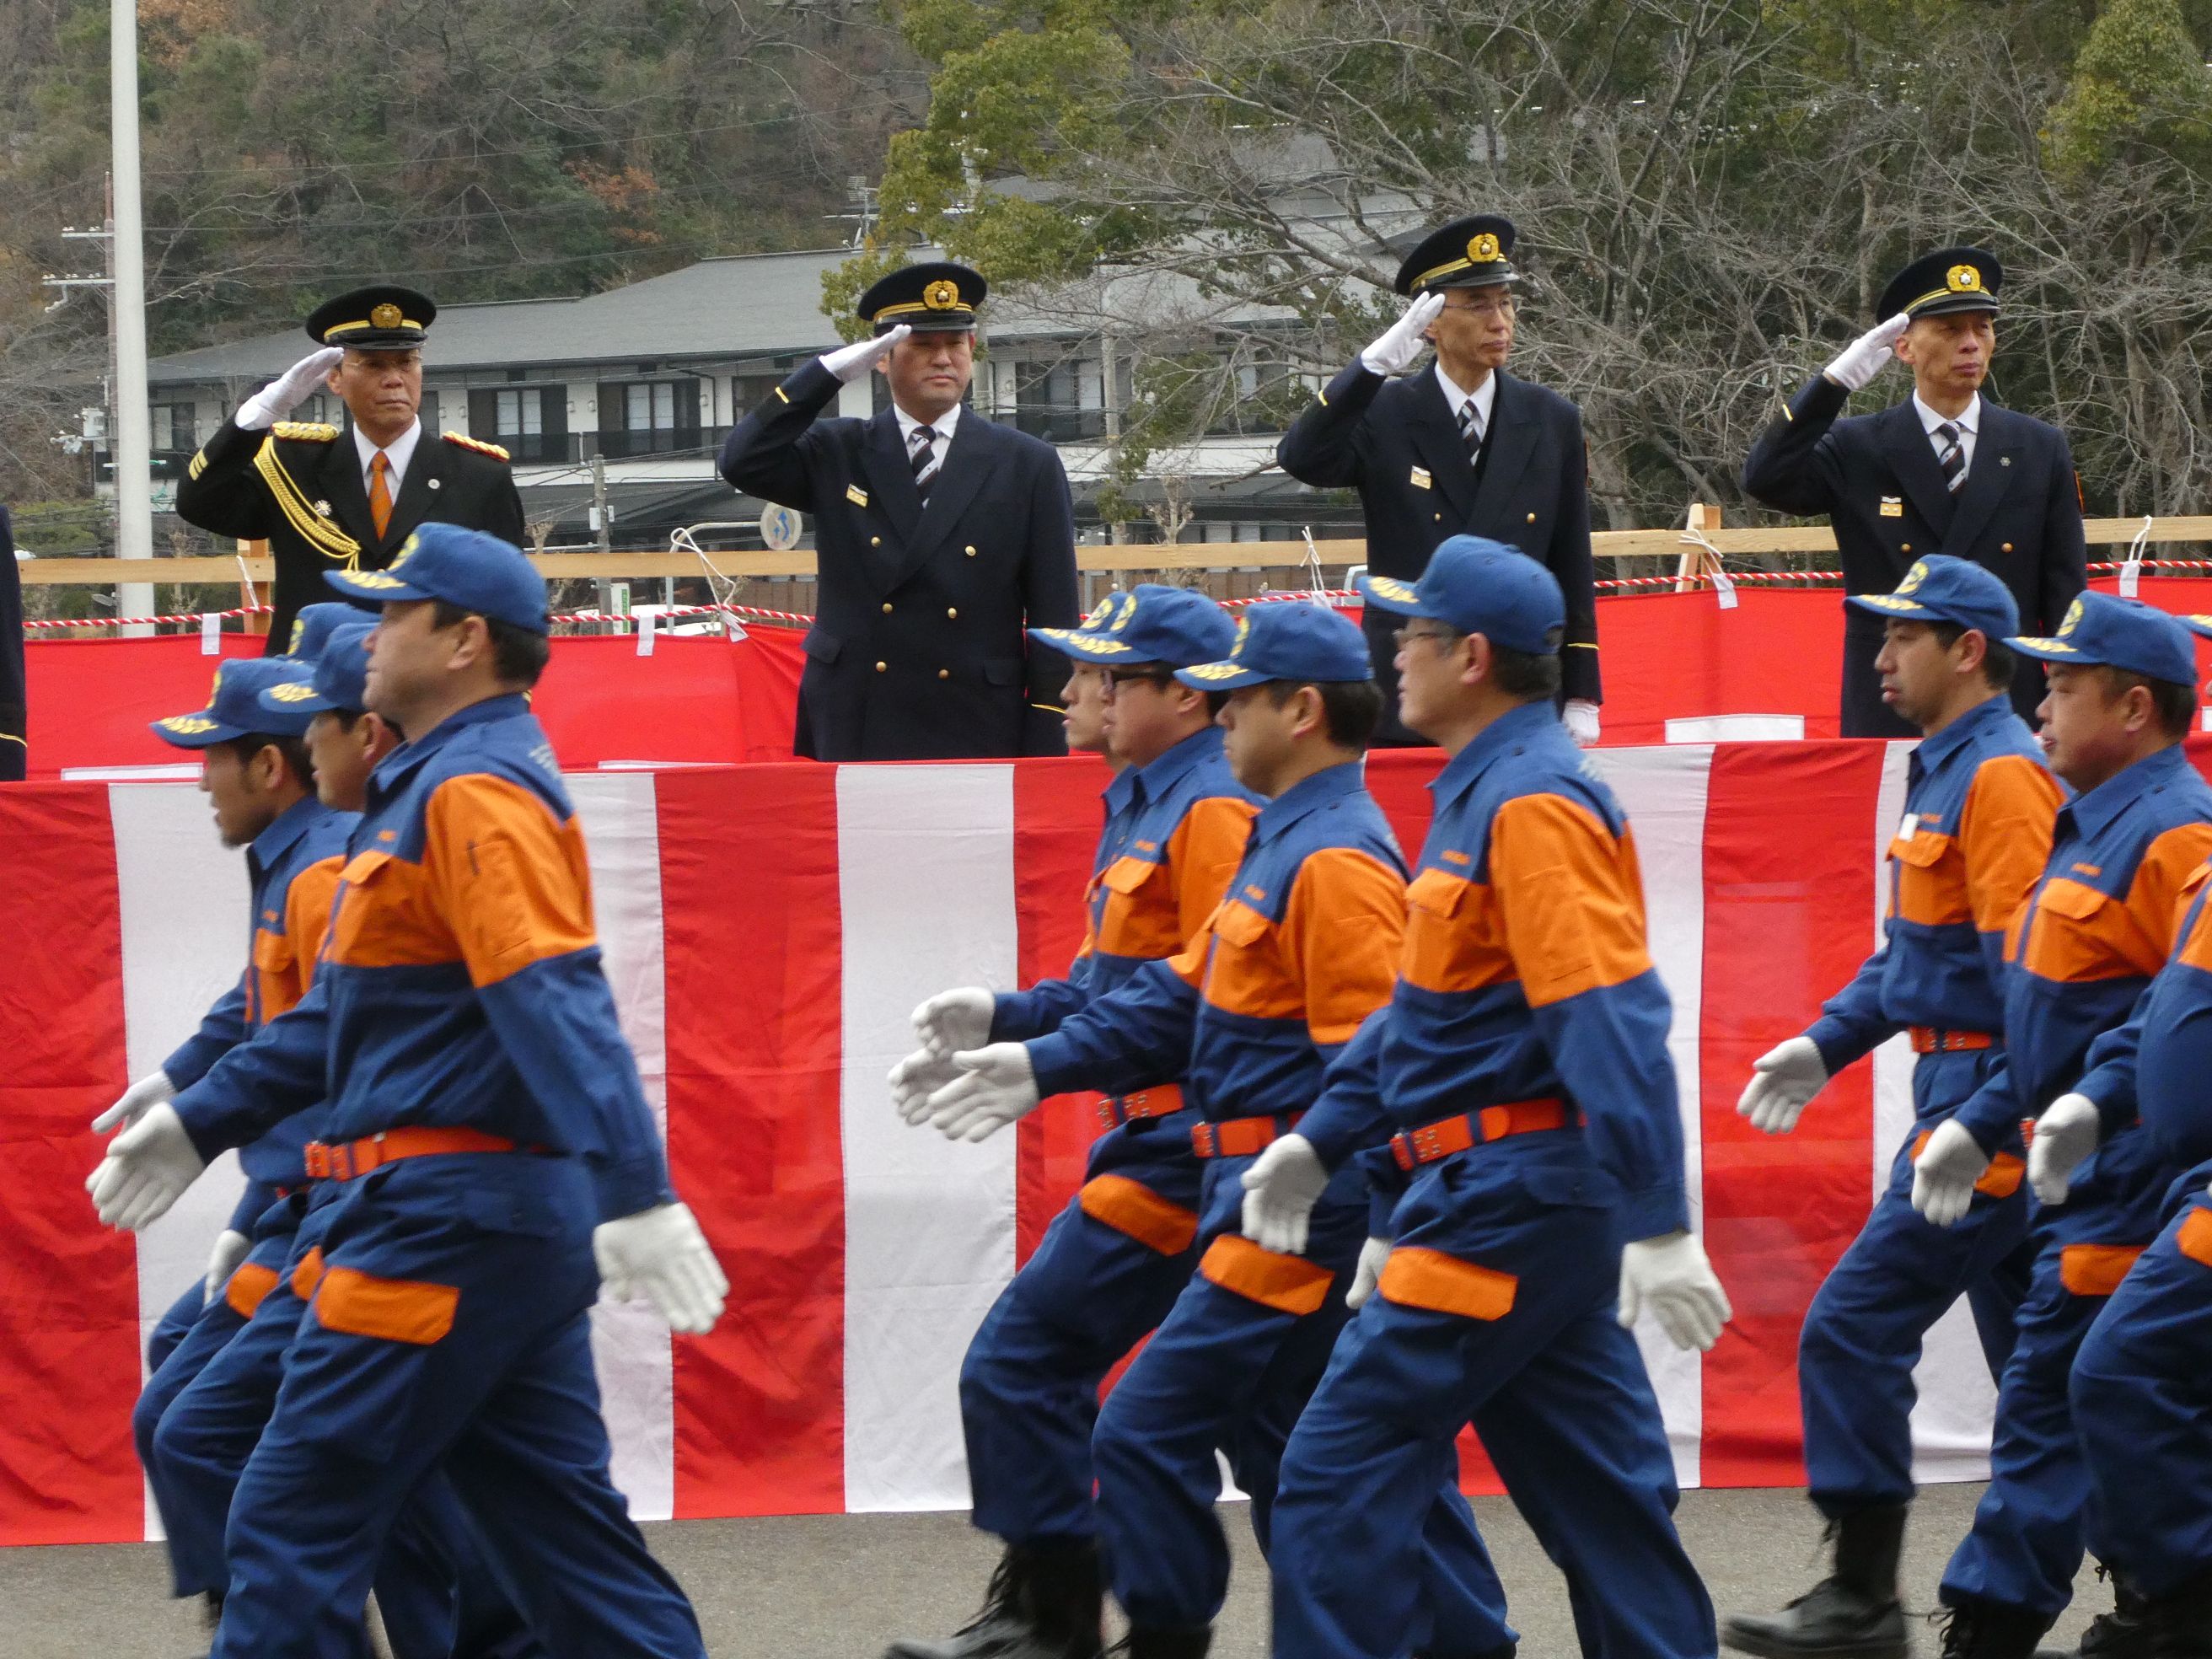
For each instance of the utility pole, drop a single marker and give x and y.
(599, 524)
(134, 479)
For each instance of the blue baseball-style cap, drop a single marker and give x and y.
(466, 567)
(1290, 639)
(234, 707)
(1940, 588)
(314, 625)
(1481, 587)
(2103, 631)
(341, 675)
(1153, 623)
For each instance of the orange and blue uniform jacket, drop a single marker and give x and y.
(1525, 976)
(2100, 923)
(1174, 832)
(293, 866)
(1979, 805)
(1278, 978)
(459, 986)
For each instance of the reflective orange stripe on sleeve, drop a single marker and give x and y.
(355, 1303)
(1415, 1278)
(308, 1274)
(1572, 896)
(247, 1287)
(1131, 1207)
(1343, 931)
(1288, 1283)
(2095, 1269)
(510, 880)
(2194, 1238)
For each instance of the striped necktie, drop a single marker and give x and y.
(1952, 460)
(926, 460)
(1470, 427)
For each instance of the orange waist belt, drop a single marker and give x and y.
(350, 1159)
(1241, 1137)
(1934, 1040)
(1447, 1135)
(1114, 1110)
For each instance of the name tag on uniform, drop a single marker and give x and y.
(1420, 478)
(854, 494)
(1910, 827)
(1892, 506)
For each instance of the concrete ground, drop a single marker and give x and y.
(839, 1587)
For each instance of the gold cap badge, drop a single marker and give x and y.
(2073, 619)
(1963, 279)
(942, 294)
(386, 315)
(1483, 249)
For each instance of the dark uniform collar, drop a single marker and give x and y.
(283, 834)
(2097, 810)
(1324, 788)
(410, 755)
(1982, 719)
(1515, 729)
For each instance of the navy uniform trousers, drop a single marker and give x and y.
(2026, 1545)
(434, 1589)
(1228, 1372)
(1028, 1385)
(1862, 1334)
(2142, 1404)
(475, 1273)
(1559, 1392)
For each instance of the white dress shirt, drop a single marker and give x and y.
(396, 454)
(943, 425)
(1455, 396)
(1966, 424)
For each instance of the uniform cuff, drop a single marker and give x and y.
(636, 1184)
(1655, 1212)
(1058, 1070)
(1840, 1044)
(1819, 398)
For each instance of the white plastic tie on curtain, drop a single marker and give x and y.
(647, 630)
(211, 635)
(2131, 567)
(1723, 588)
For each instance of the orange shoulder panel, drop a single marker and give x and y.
(1344, 929)
(510, 878)
(1203, 855)
(2156, 896)
(308, 912)
(2005, 827)
(1571, 898)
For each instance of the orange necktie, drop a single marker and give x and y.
(379, 495)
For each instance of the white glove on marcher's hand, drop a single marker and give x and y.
(1868, 356)
(1943, 1176)
(2065, 1135)
(1369, 1273)
(147, 1168)
(1400, 346)
(1782, 1079)
(1280, 1191)
(1579, 716)
(230, 1249)
(660, 1255)
(1669, 1274)
(996, 1086)
(914, 1079)
(147, 1092)
(849, 362)
(953, 1020)
(283, 395)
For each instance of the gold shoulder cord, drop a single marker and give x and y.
(320, 533)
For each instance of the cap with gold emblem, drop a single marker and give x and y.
(939, 296)
(1950, 279)
(234, 708)
(1473, 252)
(381, 318)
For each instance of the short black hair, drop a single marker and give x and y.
(519, 654)
(1999, 661)
(2173, 703)
(1531, 677)
(294, 749)
(1351, 709)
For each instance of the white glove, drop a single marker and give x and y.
(1369, 1273)
(1400, 346)
(849, 362)
(147, 1168)
(1670, 1274)
(230, 1249)
(996, 1086)
(1868, 356)
(659, 1255)
(148, 1092)
(2065, 1135)
(1782, 1079)
(1579, 716)
(1944, 1175)
(914, 1079)
(1281, 1190)
(953, 1020)
(281, 395)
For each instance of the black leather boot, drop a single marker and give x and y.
(2180, 1624)
(1852, 1613)
(2119, 1634)
(1990, 1630)
(1046, 1602)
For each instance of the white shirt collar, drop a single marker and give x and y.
(1455, 395)
(1969, 422)
(943, 424)
(396, 454)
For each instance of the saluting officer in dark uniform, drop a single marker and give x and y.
(940, 537)
(1945, 471)
(328, 500)
(1465, 449)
